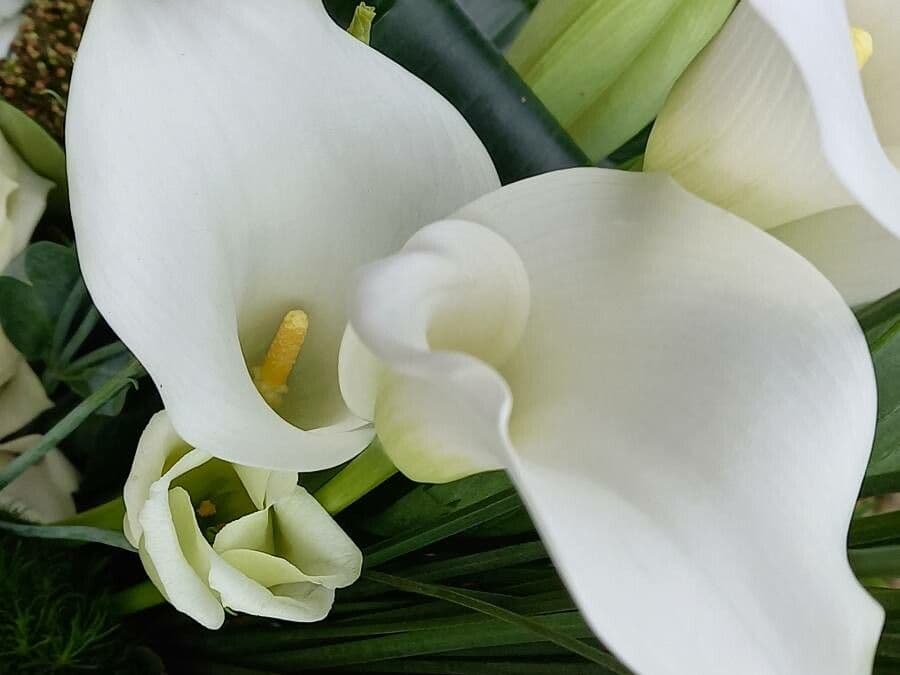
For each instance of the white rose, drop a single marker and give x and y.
(215, 535)
(23, 197)
(42, 494)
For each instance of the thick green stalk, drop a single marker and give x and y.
(121, 380)
(137, 598)
(604, 68)
(108, 516)
(880, 561)
(365, 473)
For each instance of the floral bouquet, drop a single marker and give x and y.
(450, 337)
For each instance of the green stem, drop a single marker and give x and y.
(66, 316)
(97, 356)
(137, 598)
(87, 325)
(124, 378)
(108, 516)
(365, 473)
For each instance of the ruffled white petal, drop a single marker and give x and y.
(692, 411)
(158, 445)
(22, 397)
(258, 155)
(310, 539)
(175, 554)
(437, 294)
(263, 585)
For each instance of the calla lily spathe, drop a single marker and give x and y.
(773, 122)
(685, 404)
(256, 166)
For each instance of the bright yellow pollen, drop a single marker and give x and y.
(862, 45)
(206, 508)
(272, 376)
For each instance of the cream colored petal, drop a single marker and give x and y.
(158, 445)
(309, 538)
(242, 579)
(22, 399)
(44, 492)
(254, 531)
(180, 555)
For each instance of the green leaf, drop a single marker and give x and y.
(878, 529)
(465, 599)
(39, 150)
(881, 561)
(24, 319)
(427, 504)
(881, 323)
(88, 535)
(436, 41)
(498, 20)
(53, 271)
(487, 633)
(501, 504)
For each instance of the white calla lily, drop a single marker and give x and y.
(773, 122)
(42, 494)
(266, 547)
(245, 158)
(685, 404)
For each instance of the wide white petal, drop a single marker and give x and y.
(229, 163)
(22, 398)
(858, 256)
(693, 408)
(815, 33)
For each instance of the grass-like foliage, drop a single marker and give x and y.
(54, 616)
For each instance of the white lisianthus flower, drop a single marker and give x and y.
(685, 404)
(214, 535)
(789, 118)
(23, 196)
(43, 494)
